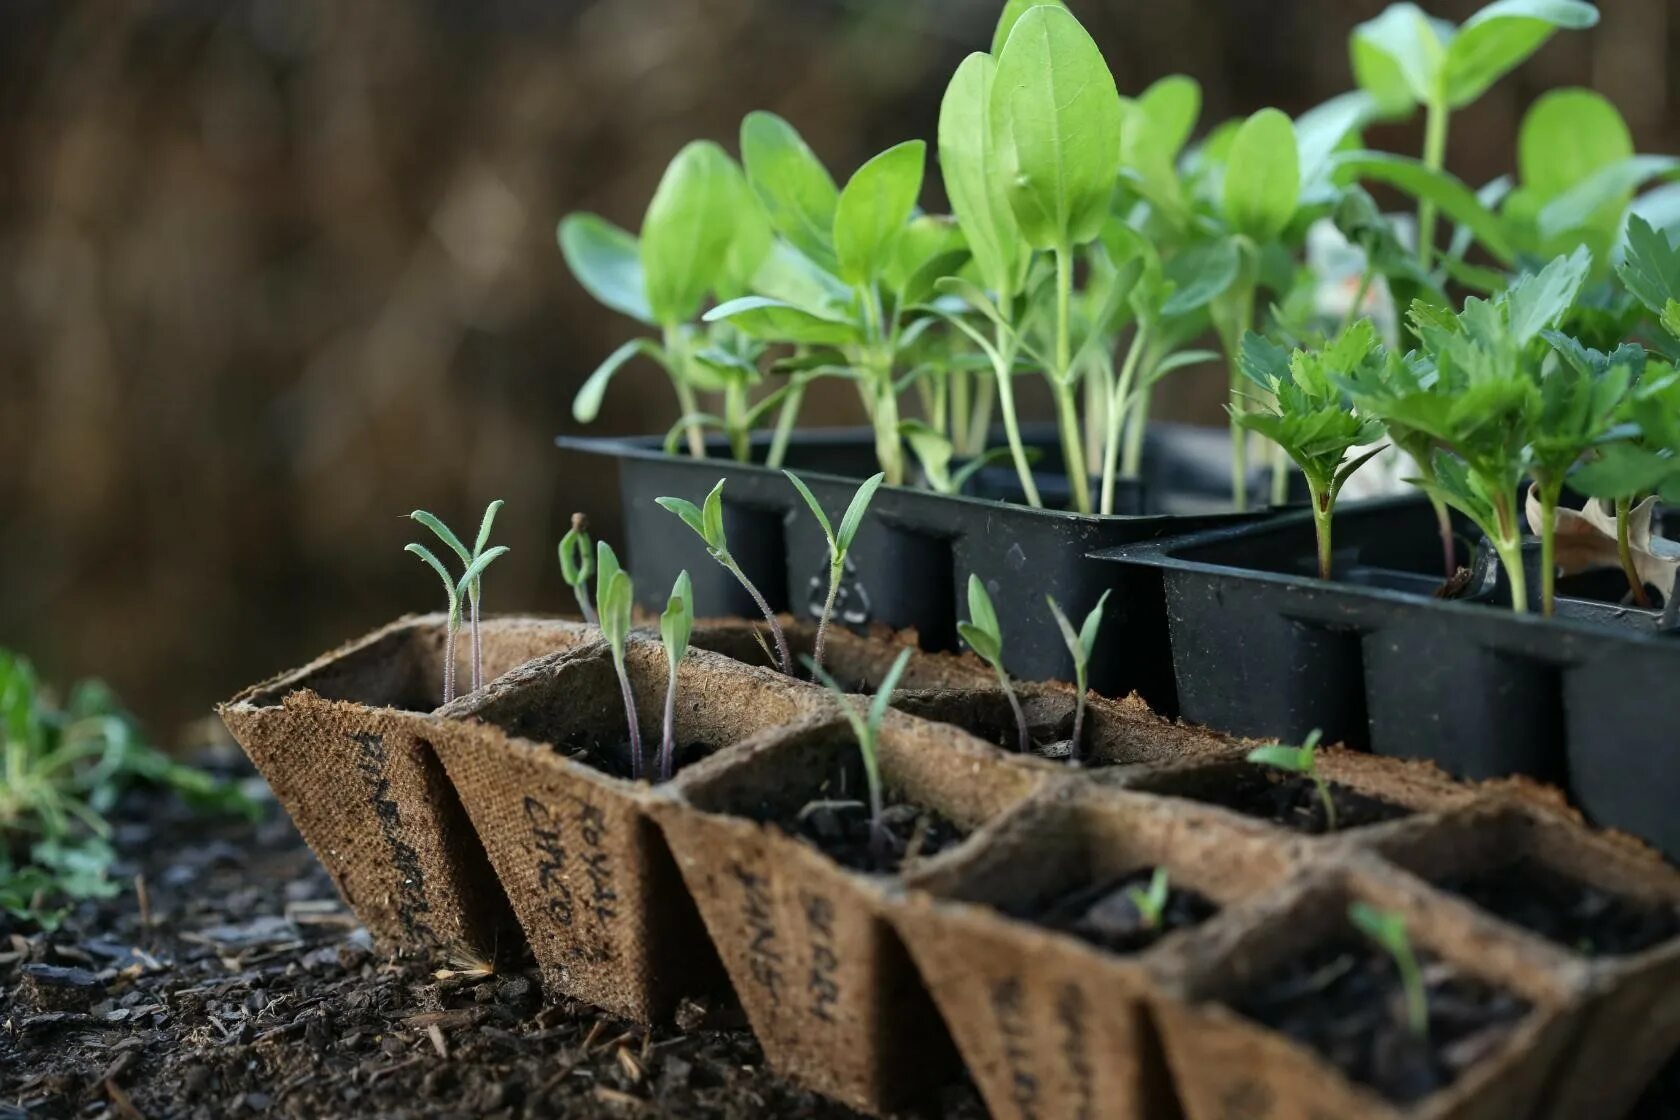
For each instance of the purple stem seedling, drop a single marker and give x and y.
(985, 637)
(707, 523)
(1388, 930)
(577, 564)
(1081, 644)
(838, 543)
(866, 728)
(613, 596)
(455, 590)
(1302, 760)
(472, 586)
(675, 626)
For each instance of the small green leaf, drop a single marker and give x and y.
(1088, 631)
(1057, 117)
(436, 565)
(984, 644)
(676, 623)
(1171, 106)
(712, 517)
(1537, 302)
(688, 230)
(1071, 637)
(476, 568)
(577, 557)
(873, 208)
(1386, 928)
(1497, 39)
(607, 261)
(883, 694)
(1457, 201)
(1200, 274)
(773, 320)
(586, 406)
(443, 533)
(485, 525)
(1281, 757)
(853, 520)
(689, 512)
(797, 191)
(606, 566)
(980, 610)
(816, 510)
(1398, 55)
(1263, 176)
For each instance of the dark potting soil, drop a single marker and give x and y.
(614, 757)
(1345, 1000)
(244, 988)
(1576, 915)
(1289, 799)
(842, 831)
(1105, 915)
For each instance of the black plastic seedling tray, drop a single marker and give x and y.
(910, 564)
(1261, 647)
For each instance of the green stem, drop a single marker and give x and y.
(1280, 475)
(889, 448)
(783, 657)
(1434, 158)
(676, 352)
(980, 422)
(667, 738)
(735, 419)
(1024, 742)
(1232, 343)
(955, 425)
(1325, 799)
(1550, 494)
(1359, 294)
(1004, 369)
(1061, 378)
(1323, 506)
(1508, 544)
(1073, 454)
(629, 716)
(1443, 523)
(1624, 553)
(1076, 742)
(785, 420)
(1117, 415)
(1417, 1001)
(1131, 460)
(835, 571)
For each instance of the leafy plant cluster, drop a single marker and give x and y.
(1092, 243)
(62, 769)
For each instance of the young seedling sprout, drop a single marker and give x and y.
(707, 522)
(866, 727)
(1151, 903)
(838, 543)
(470, 582)
(1080, 643)
(1388, 930)
(985, 637)
(1302, 760)
(577, 563)
(674, 628)
(613, 592)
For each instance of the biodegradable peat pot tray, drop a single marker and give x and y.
(909, 566)
(1281, 1009)
(1040, 964)
(339, 742)
(857, 662)
(1592, 898)
(1261, 647)
(540, 759)
(827, 986)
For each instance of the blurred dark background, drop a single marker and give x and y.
(278, 271)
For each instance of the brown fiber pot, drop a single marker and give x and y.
(585, 867)
(825, 982)
(1050, 1025)
(337, 741)
(856, 661)
(1631, 1024)
(1227, 1066)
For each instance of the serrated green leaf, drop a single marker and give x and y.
(1263, 176)
(607, 261)
(874, 206)
(797, 191)
(1538, 301)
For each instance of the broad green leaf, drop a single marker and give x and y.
(790, 276)
(607, 261)
(1171, 106)
(816, 510)
(933, 451)
(925, 238)
(1057, 116)
(853, 520)
(1012, 12)
(1201, 274)
(1397, 56)
(973, 179)
(688, 231)
(1566, 136)
(798, 193)
(873, 208)
(586, 406)
(1323, 130)
(1457, 201)
(1263, 176)
(775, 321)
(751, 241)
(1494, 41)
(1608, 188)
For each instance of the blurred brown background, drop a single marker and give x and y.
(278, 271)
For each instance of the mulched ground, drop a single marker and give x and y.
(242, 987)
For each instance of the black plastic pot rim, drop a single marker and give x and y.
(1164, 554)
(652, 449)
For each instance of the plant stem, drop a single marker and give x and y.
(1117, 415)
(786, 417)
(1131, 460)
(835, 571)
(677, 355)
(667, 738)
(980, 420)
(629, 717)
(889, 450)
(1508, 544)
(477, 646)
(1434, 158)
(1076, 742)
(956, 424)
(1323, 505)
(1024, 743)
(1280, 475)
(1004, 370)
(1550, 493)
(1624, 553)
(735, 419)
(1359, 294)
(1326, 800)
(1443, 522)
(1417, 1002)
(584, 605)
(1243, 299)
(782, 654)
(449, 656)
(1061, 377)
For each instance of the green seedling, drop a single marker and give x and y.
(1388, 930)
(465, 588)
(985, 637)
(866, 728)
(577, 564)
(675, 625)
(1081, 644)
(1302, 760)
(839, 542)
(1151, 903)
(707, 522)
(615, 597)
(1307, 415)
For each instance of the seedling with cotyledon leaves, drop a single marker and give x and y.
(1151, 903)
(707, 521)
(466, 588)
(614, 596)
(676, 623)
(1388, 930)
(577, 564)
(1081, 644)
(984, 636)
(839, 541)
(1302, 760)
(866, 728)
